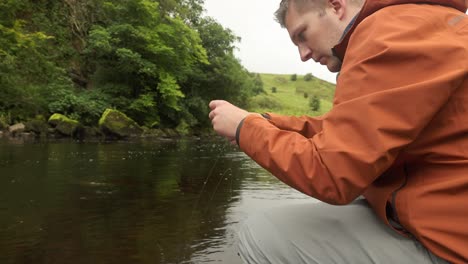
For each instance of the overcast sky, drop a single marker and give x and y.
(265, 46)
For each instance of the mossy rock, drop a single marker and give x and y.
(64, 125)
(116, 123)
(39, 127)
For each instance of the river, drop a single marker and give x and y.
(159, 201)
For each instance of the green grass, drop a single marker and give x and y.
(289, 98)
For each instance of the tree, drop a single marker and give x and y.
(26, 72)
(160, 62)
(294, 77)
(308, 77)
(222, 78)
(143, 57)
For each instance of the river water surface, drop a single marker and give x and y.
(164, 201)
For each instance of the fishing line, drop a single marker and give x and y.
(203, 188)
(184, 246)
(216, 188)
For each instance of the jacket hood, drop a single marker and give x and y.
(371, 6)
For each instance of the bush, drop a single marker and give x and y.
(194, 113)
(85, 106)
(314, 103)
(308, 77)
(265, 102)
(273, 89)
(4, 121)
(306, 95)
(294, 77)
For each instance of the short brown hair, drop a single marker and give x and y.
(280, 14)
(304, 5)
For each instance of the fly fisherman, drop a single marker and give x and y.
(397, 135)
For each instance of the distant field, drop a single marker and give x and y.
(289, 98)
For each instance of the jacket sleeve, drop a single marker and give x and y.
(396, 76)
(304, 125)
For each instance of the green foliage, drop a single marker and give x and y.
(169, 91)
(273, 89)
(217, 40)
(147, 56)
(314, 103)
(86, 106)
(306, 95)
(308, 77)
(294, 77)
(224, 77)
(160, 62)
(144, 108)
(196, 112)
(4, 121)
(183, 128)
(27, 70)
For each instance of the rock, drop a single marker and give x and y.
(116, 123)
(27, 136)
(16, 128)
(153, 133)
(170, 132)
(39, 127)
(1, 134)
(64, 125)
(91, 132)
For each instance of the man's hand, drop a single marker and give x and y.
(225, 118)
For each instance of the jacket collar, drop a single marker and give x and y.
(371, 6)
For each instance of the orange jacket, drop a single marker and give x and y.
(398, 130)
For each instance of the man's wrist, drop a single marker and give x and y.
(241, 123)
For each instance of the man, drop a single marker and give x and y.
(397, 134)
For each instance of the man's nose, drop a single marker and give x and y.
(305, 53)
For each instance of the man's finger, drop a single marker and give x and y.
(212, 115)
(213, 104)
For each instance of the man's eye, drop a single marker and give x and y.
(301, 36)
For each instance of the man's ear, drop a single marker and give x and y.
(339, 7)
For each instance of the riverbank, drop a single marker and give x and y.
(89, 134)
(113, 125)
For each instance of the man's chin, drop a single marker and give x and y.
(334, 67)
(334, 64)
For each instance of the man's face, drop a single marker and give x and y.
(315, 34)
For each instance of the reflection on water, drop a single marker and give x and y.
(147, 202)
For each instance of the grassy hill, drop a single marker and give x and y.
(292, 97)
